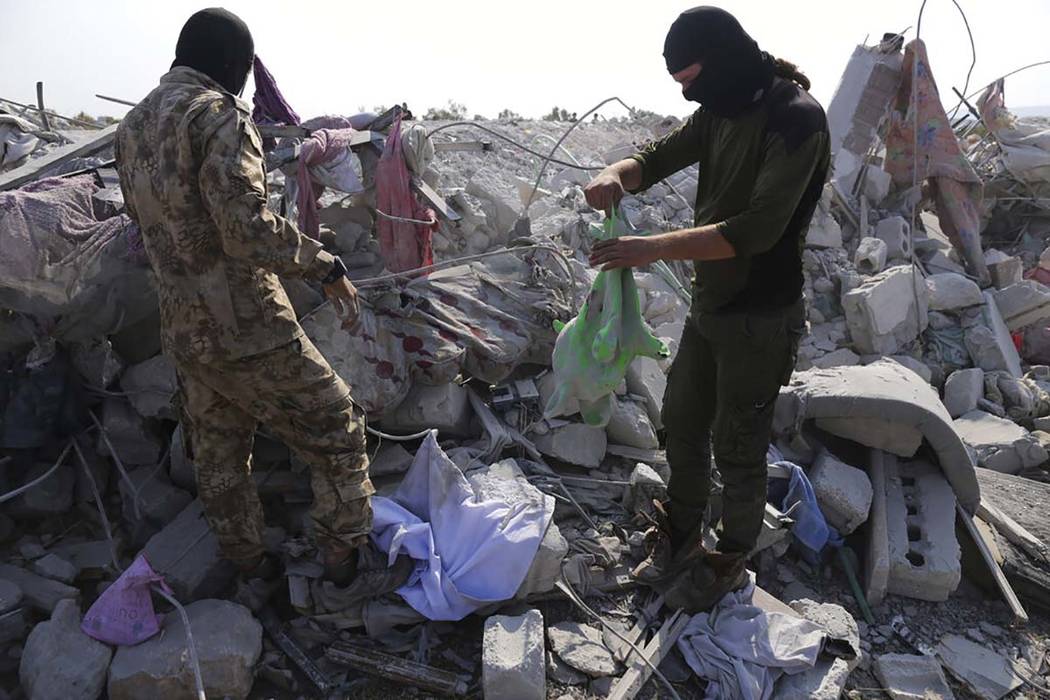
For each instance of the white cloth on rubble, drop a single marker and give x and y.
(469, 552)
(741, 650)
(17, 139)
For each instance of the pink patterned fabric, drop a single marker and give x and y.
(957, 189)
(123, 614)
(404, 245)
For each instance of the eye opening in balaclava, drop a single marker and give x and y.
(217, 43)
(735, 71)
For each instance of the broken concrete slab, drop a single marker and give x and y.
(1006, 272)
(870, 258)
(962, 390)
(55, 568)
(992, 348)
(92, 556)
(987, 673)
(391, 458)
(580, 646)
(1000, 444)
(445, 407)
(950, 291)
(158, 502)
(645, 378)
(835, 619)
(151, 387)
(574, 443)
(924, 552)
(41, 593)
(134, 440)
(912, 677)
(843, 357)
(1023, 304)
(547, 385)
(843, 492)
(228, 641)
(881, 312)
(894, 232)
(512, 663)
(53, 496)
(630, 425)
(186, 553)
(825, 681)
(60, 661)
(877, 552)
(901, 440)
(885, 391)
(915, 365)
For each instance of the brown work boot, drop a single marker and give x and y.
(700, 587)
(668, 551)
(340, 565)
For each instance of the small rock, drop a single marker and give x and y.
(976, 635)
(561, 672)
(228, 641)
(60, 661)
(912, 677)
(990, 629)
(55, 567)
(581, 647)
(798, 591)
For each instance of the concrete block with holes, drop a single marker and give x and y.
(920, 517)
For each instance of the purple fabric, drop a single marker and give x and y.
(123, 614)
(270, 105)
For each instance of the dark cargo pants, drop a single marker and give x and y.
(722, 388)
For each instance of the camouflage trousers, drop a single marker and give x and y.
(293, 391)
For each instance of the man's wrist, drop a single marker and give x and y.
(337, 272)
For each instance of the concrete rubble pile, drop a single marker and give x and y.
(920, 404)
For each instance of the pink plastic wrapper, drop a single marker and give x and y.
(123, 614)
(404, 241)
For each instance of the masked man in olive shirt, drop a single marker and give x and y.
(761, 143)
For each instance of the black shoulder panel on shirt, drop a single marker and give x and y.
(793, 114)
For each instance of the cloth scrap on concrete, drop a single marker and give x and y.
(404, 242)
(741, 650)
(934, 149)
(469, 553)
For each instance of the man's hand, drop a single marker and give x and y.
(625, 251)
(343, 296)
(605, 191)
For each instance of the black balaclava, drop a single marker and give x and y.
(217, 43)
(735, 71)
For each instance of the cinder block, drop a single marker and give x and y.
(924, 552)
(512, 658)
(843, 492)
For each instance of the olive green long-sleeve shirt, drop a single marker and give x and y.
(761, 176)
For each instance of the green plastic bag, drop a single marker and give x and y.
(594, 349)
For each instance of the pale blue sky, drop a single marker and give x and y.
(528, 56)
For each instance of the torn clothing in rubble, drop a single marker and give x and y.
(810, 526)
(468, 552)
(956, 186)
(741, 650)
(191, 168)
(270, 105)
(57, 255)
(485, 319)
(405, 245)
(296, 395)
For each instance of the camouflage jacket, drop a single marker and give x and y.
(191, 168)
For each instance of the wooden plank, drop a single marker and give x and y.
(462, 146)
(38, 166)
(1013, 531)
(280, 131)
(620, 649)
(394, 668)
(272, 624)
(631, 682)
(1020, 616)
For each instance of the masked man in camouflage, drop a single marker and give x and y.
(191, 168)
(761, 143)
